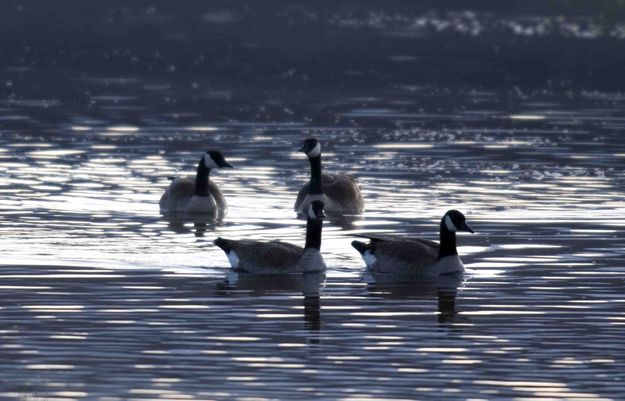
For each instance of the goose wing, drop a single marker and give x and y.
(268, 257)
(301, 195)
(343, 188)
(215, 192)
(394, 253)
(179, 192)
(419, 253)
(390, 238)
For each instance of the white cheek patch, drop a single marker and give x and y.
(233, 259)
(209, 162)
(450, 224)
(316, 151)
(311, 213)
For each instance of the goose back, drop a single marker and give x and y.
(395, 255)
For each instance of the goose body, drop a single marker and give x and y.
(416, 256)
(199, 194)
(273, 257)
(180, 197)
(278, 257)
(341, 193)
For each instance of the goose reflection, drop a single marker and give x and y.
(444, 287)
(198, 224)
(308, 284)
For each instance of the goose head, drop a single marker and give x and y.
(454, 221)
(213, 159)
(315, 210)
(311, 147)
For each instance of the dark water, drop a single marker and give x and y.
(513, 116)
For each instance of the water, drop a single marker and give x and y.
(101, 298)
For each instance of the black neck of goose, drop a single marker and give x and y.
(201, 179)
(313, 233)
(312, 312)
(447, 242)
(446, 303)
(315, 175)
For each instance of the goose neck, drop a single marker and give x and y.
(201, 179)
(315, 175)
(313, 233)
(447, 242)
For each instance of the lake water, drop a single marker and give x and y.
(101, 298)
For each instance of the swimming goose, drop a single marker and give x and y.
(342, 194)
(199, 195)
(277, 257)
(416, 256)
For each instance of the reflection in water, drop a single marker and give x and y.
(308, 284)
(202, 223)
(444, 288)
(312, 313)
(447, 306)
(258, 285)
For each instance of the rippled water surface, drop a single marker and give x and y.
(102, 298)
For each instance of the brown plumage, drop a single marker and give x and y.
(273, 255)
(397, 252)
(342, 192)
(180, 193)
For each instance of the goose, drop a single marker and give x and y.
(416, 256)
(278, 257)
(201, 195)
(341, 191)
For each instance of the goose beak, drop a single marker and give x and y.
(467, 228)
(305, 147)
(226, 164)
